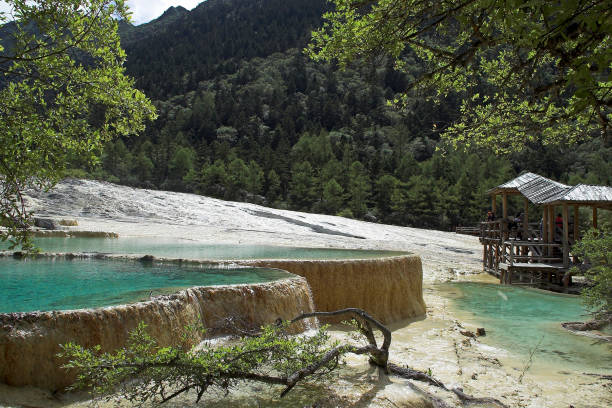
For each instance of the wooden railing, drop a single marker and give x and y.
(491, 237)
(531, 252)
(468, 230)
(492, 230)
(508, 243)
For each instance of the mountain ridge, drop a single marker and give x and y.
(214, 31)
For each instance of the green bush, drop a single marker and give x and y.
(595, 250)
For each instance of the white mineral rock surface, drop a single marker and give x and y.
(432, 343)
(100, 206)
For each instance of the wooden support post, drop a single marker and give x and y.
(484, 256)
(496, 257)
(526, 221)
(544, 236)
(551, 228)
(510, 264)
(494, 204)
(576, 222)
(565, 237)
(595, 217)
(505, 216)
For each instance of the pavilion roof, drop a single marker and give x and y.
(584, 194)
(542, 190)
(527, 182)
(515, 182)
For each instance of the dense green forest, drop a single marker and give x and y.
(244, 115)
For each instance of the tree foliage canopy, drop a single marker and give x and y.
(525, 70)
(63, 94)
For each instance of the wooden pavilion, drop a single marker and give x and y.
(520, 251)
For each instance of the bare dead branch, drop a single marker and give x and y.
(355, 312)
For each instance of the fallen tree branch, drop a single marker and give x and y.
(602, 376)
(435, 401)
(378, 356)
(355, 312)
(411, 374)
(334, 353)
(475, 400)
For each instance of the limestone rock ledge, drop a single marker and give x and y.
(29, 342)
(390, 289)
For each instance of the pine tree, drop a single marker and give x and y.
(333, 197)
(386, 186)
(273, 191)
(359, 189)
(238, 176)
(302, 193)
(255, 178)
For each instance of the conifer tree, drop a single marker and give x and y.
(359, 189)
(333, 197)
(302, 192)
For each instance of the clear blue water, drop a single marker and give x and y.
(186, 249)
(519, 319)
(47, 284)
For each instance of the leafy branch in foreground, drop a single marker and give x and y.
(144, 372)
(271, 357)
(526, 71)
(63, 95)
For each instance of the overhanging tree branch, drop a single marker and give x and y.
(562, 54)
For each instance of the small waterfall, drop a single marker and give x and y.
(311, 323)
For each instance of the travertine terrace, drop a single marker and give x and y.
(29, 342)
(389, 288)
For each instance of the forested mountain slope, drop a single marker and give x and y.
(244, 115)
(173, 53)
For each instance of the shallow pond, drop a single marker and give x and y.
(186, 249)
(48, 284)
(521, 320)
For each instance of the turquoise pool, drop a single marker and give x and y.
(519, 319)
(186, 249)
(45, 284)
